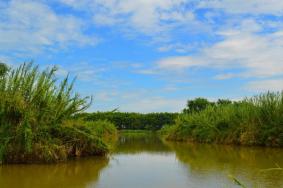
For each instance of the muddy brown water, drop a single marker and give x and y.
(145, 161)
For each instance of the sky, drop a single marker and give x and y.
(150, 55)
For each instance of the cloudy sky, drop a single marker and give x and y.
(150, 55)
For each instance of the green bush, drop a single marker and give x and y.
(254, 121)
(34, 109)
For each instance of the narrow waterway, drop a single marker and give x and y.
(140, 161)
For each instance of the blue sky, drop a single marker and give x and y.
(150, 55)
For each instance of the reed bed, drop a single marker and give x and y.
(253, 121)
(36, 118)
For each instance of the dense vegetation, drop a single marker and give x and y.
(133, 121)
(3, 69)
(254, 121)
(42, 119)
(36, 118)
(199, 104)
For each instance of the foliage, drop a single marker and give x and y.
(196, 105)
(133, 121)
(3, 69)
(200, 104)
(254, 121)
(34, 108)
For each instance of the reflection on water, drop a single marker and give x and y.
(76, 173)
(146, 161)
(218, 161)
(137, 143)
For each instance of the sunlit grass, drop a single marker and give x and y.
(254, 121)
(36, 112)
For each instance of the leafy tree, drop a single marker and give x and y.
(223, 102)
(197, 105)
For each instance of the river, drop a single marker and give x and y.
(145, 161)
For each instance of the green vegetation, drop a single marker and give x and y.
(42, 119)
(132, 121)
(254, 121)
(36, 118)
(200, 104)
(3, 69)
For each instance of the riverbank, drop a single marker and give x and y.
(37, 122)
(256, 121)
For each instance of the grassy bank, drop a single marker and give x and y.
(36, 118)
(254, 121)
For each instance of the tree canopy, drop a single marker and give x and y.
(134, 121)
(200, 104)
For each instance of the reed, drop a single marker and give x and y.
(34, 108)
(252, 121)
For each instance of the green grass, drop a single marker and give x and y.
(36, 118)
(254, 121)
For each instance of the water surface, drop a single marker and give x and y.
(145, 161)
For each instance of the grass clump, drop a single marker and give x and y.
(36, 112)
(254, 121)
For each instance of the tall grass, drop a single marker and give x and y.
(34, 109)
(253, 121)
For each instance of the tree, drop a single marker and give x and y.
(197, 105)
(223, 102)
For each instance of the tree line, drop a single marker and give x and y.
(133, 121)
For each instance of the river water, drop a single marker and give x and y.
(145, 161)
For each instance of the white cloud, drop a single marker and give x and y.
(160, 19)
(224, 76)
(5, 59)
(147, 71)
(138, 100)
(154, 104)
(178, 47)
(266, 85)
(31, 26)
(83, 71)
(273, 7)
(258, 55)
(178, 62)
(145, 16)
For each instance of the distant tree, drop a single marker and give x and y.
(131, 120)
(197, 105)
(223, 102)
(3, 69)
